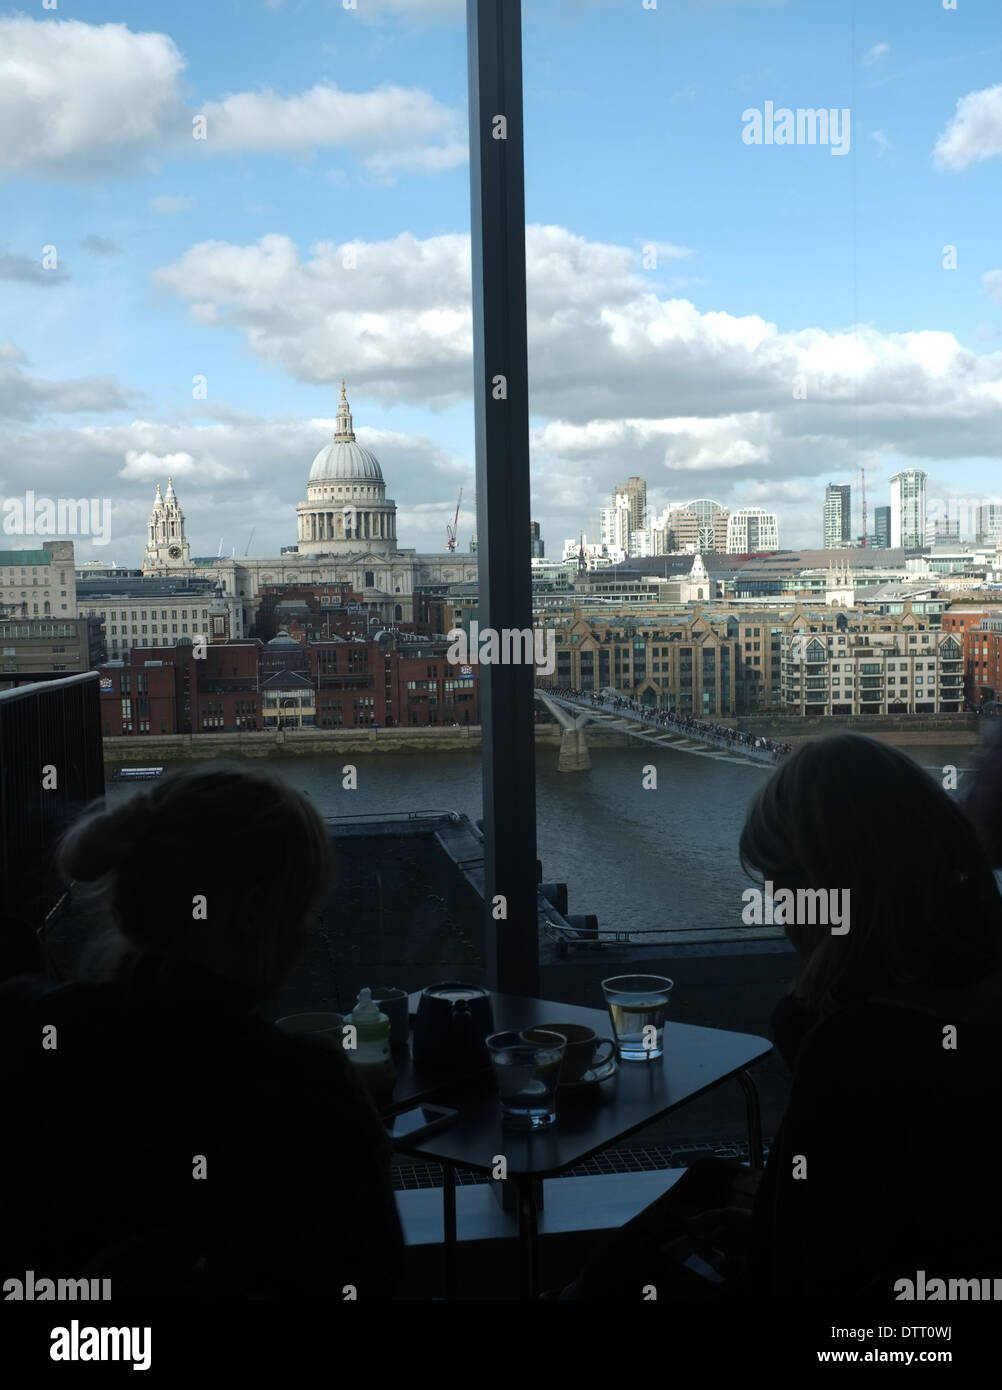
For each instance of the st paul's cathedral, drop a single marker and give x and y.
(346, 528)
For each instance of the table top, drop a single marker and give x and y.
(696, 1059)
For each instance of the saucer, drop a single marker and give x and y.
(594, 1076)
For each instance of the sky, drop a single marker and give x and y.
(729, 319)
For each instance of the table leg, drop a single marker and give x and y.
(527, 1233)
(756, 1148)
(449, 1227)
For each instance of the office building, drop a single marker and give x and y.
(751, 530)
(634, 490)
(38, 583)
(698, 526)
(837, 519)
(904, 668)
(989, 523)
(908, 508)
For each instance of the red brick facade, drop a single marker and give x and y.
(983, 661)
(249, 685)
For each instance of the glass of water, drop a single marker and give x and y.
(527, 1074)
(638, 1007)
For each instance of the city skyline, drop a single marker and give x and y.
(188, 307)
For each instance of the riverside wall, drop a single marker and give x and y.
(901, 730)
(156, 749)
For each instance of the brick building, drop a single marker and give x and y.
(959, 617)
(983, 660)
(246, 685)
(730, 660)
(687, 663)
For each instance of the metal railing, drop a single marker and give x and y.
(50, 768)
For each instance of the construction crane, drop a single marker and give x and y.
(450, 527)
(862, 489)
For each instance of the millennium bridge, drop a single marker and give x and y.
(659, 727)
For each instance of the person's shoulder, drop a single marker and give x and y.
(875, 1038)
(29, 1003)
(22, 995)
(852, 1038)
(320, 1081)
(21, 991)
(311, 1062)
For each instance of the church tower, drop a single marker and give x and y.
(166, 548)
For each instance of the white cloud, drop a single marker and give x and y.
(417, 11)
(991, 282)
(604, 347)
(100, 245)
(24, 397)
(14, 265)
(232, 470)
(875, 54)
(78, 99)
(144, 463)
(666, 250)
(975, 132)
(391, 126)
(880, 140)
(167, 204)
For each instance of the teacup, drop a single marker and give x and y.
(582, 1050)
(325, 1027)
(394, 1003)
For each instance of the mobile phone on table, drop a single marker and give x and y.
(700, 1258)
(418, 1122)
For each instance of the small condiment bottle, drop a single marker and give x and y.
(371, 1053)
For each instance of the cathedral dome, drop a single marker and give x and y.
(344, 460)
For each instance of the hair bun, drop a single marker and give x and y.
(104, 840)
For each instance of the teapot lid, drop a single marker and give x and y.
(455, 991)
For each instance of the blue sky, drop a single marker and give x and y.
(328, 128)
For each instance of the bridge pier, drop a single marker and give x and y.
(574, 754)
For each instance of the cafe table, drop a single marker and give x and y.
(695, 1061)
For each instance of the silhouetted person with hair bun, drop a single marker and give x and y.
(173, 1139)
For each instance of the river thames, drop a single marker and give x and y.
(661, 860)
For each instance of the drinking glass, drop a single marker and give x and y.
(527, 1074)
(638, 1006)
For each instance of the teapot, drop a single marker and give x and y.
(452, 1024)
